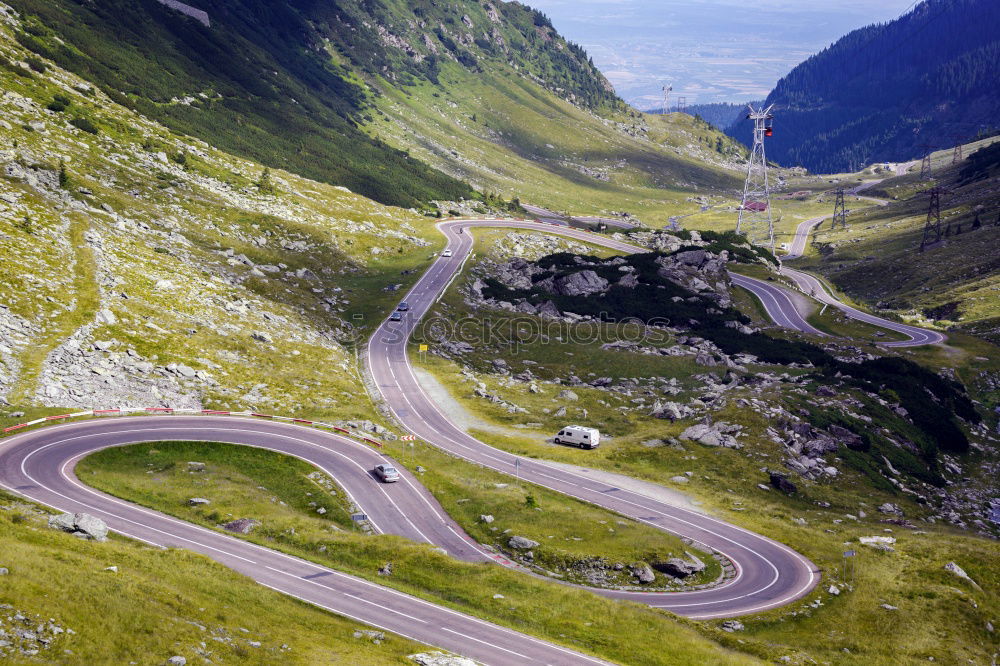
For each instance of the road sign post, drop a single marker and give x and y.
(848, 565)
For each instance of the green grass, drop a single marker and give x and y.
(566, 615)
(243, 481)
(162, 603)
(522, 141)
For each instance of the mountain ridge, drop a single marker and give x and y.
(880, 92)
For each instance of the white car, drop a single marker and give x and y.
(386, 473)
(585, 438)
(446, 253)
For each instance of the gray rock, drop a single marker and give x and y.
(890, 509)
(710, 435)
(177, 660)
(567, 394)
(62, 522)
(732, 625)
(4, 571)
(198, 501)
(521, 543)
(260, 336)
(106, 317)
(440, 659)
(643, 572)
(679, 479)
(196, 466)
(486, 518)
(93, 527)
(781, 482)
(679, 568)
(385, 570)
(241, 525)
(583, 283)
(82, 525)
(960, 572)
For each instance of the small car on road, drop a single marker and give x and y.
(386, 473)
(403, 306)
(396, 316)
(446, 253)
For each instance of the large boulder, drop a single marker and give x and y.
(711, 435)
(521, 543)
(781, 482)
(583, 283)
(890, 509)
(680, 568)
(850, 439)
(643, 573)
(241, 525)
(83, 525)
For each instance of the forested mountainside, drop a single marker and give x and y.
(883, 91)
(720, 114)
(291, 82)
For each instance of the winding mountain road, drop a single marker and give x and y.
(39, 465)
(810, 284)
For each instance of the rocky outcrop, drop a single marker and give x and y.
(82, 525)
(699, 271)
(241, 525)
(521, 543)
(719, 434)
(583, 283)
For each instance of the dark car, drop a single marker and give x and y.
(396, 316)
(403, 306)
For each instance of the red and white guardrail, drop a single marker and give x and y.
(179, 410)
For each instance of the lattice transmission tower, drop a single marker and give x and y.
(925, 163)
(755, 211)
(839, 211)
(682, 103)
(932, 228)
(666, 99)
(956, 155)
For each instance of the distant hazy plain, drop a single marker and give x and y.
(709, 50)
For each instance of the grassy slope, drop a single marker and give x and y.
(260, 86)
(566, 615)
(506, 135)
(162, 603)
(148, 221)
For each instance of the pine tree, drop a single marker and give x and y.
(264, 184)
(63, 175)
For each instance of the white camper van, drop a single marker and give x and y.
(585, 438)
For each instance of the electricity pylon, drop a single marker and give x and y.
(755, 211)
(925, 163)
(932, 228)
(682, 103)
(956, 155)
(839, 211)
(666, 99)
